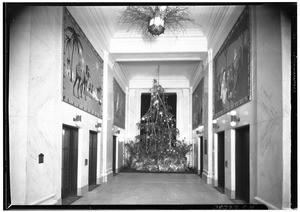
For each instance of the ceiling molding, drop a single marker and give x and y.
(165, 83)
(156, 59)
(124, 73)
(103, 28)
(148, 56)
(136, 34)
(224, 26)
(85, 20)
(196, 71)
(132, 45)
(120, 77)
(107, 26)
(197, 77)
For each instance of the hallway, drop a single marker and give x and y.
(154, 188)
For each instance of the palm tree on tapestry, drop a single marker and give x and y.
(68, 48)
(76, 46)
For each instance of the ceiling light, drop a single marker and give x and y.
(153, 20)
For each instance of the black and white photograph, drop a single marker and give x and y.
(150, 105)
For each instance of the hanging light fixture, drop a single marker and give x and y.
(157, 23)
(153, 20)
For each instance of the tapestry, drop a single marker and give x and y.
(82, 69)
(197, 105)
(232, 68)
(119, 105)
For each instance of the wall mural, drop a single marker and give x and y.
(232, 68)
(119, 105)
(82, 69)
(198, 104)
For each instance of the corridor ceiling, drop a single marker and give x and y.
(178, 56)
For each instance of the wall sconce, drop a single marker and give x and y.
(117, 131)
(77, 120)
(234, 118)
(200, 130)
(215, 124)
(98, 125)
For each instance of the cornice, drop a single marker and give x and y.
(224, 24)
(102, 25)
(165, 83)
(86, 20)
(121, 78)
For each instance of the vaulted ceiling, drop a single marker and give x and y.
(178, 56)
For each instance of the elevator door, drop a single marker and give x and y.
(221, 155)
(114, 154)
(69, 161)
(242, 163)
(201, 155)
(93, 158)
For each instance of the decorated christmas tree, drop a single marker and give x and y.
(157, 149)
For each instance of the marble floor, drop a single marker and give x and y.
(153, 188)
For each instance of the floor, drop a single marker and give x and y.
(153, 188)
(70, 199)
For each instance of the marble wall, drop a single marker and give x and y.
(267, 114)
(35, 63)
(273, 109)
(36, 112)
(18, 101)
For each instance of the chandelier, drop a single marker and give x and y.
(153, 20)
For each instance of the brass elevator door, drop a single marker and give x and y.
(242, 163)
(69, 161)
(93, 158)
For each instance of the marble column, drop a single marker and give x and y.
(210, 116)
(105, 116)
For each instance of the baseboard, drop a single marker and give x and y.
(59, 202)
(99, 180)
(110, 177)
(270, 206)
(215, 182)
(229, 193)
(83, 190)
(47, 200)
(205, 177)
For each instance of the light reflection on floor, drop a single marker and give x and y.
(154, 188)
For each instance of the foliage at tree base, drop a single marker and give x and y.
(172, 160)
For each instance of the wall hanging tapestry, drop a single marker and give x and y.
(232, 68)
(197, 107)
(119, 105)
(82, 69)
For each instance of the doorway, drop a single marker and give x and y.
(114, 155)
(201, 152)
(69, 161)
(242, 164)
(221, 155)
(92, 159)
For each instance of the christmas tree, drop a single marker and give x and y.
(157, 149)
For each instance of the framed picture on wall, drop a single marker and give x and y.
(82, 69)
(232, 80)
(197, 104)
(119, 105)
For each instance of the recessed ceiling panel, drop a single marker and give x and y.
(167, 69)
